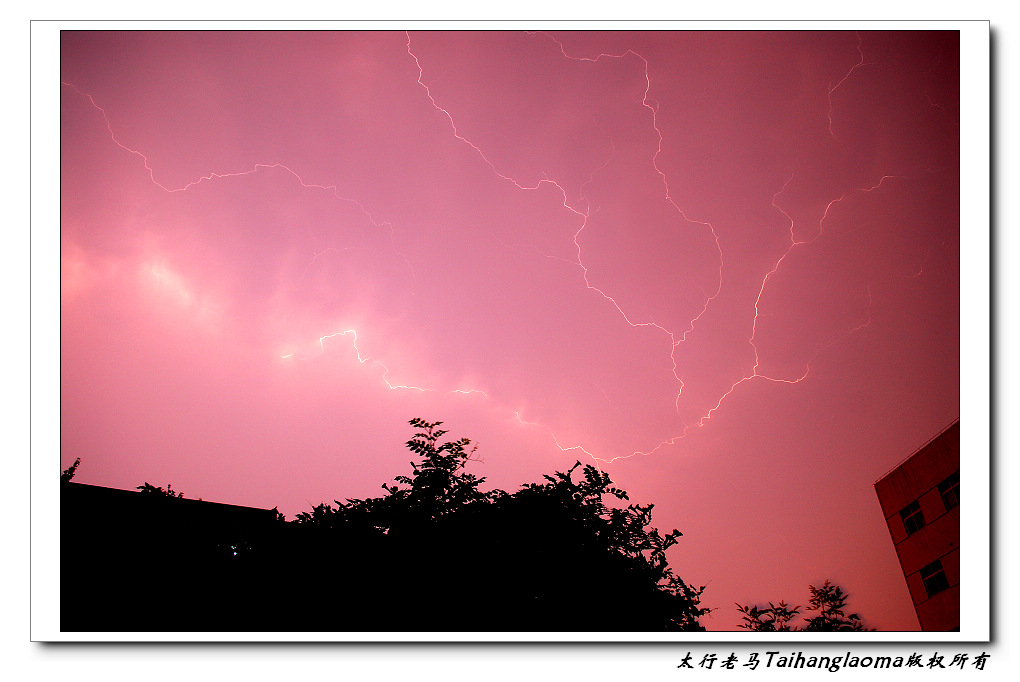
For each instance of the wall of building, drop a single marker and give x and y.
(917, 480)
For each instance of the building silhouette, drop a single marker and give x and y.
(920, 500)
(133, 561)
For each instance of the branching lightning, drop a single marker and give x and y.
(653, 108)
(794, 243)
(675, 337)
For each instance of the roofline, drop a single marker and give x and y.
(922, 447)
(182, 499)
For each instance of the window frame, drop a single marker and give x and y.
(950, 488)
(912, 517)
(935, 581)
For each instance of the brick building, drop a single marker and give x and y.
(920, 500)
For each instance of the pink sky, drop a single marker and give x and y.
(725, 265)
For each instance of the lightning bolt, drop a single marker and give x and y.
(653, 108)
(844, 79)
(675, 339)
(332, 190)
(794, 243)
(754, 374)
(366, 359)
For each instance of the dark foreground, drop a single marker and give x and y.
(132, 561)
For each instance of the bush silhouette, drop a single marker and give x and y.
(827, 601)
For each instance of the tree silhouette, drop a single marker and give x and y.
(607, 551)
(153, 490)
(67, 474)
(552, 556)
(827, 601)
(436, 488)
(776, 618)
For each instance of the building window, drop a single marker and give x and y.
(950, 491)
(934, 578)
(913, 519)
